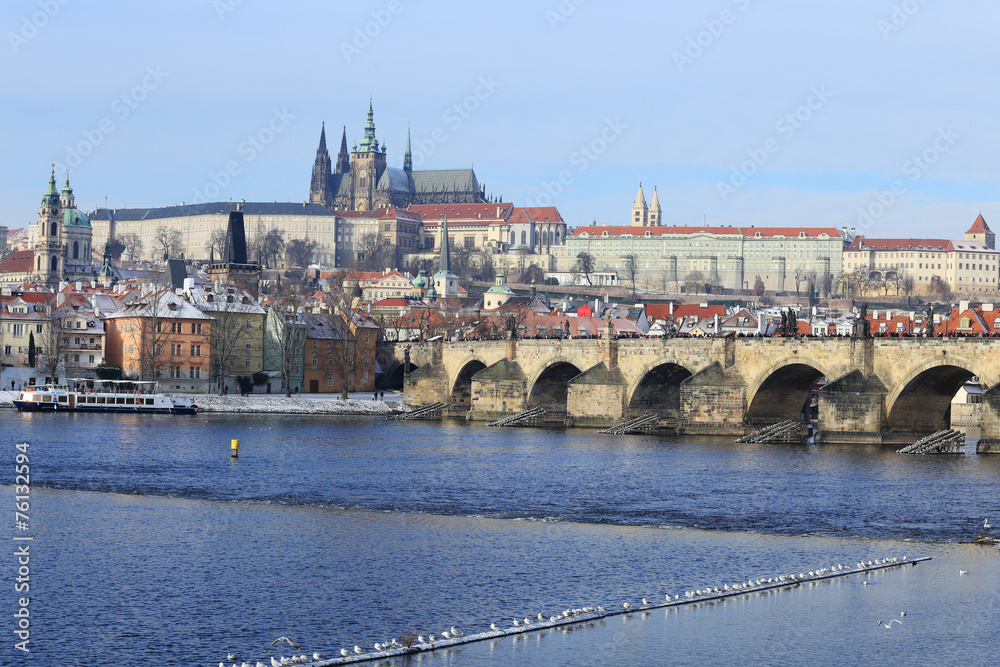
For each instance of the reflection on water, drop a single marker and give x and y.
(151, 544)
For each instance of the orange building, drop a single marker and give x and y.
(162, 337)
(337, 353)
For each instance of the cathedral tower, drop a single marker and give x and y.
(640, 211)
(343, 159)
(367, 165)
(319, 187)
(655, 213)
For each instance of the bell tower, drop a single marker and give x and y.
(49, 247)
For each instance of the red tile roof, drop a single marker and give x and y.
(790, 232)
(979, 226)
(862, 243)
(462, 212)
(543, 213)
(19, 261)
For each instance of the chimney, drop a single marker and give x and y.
(854, 233)
(844, 229)
(671, 308)
(79, 286)
(963, 306)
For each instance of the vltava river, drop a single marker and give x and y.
(151, 547)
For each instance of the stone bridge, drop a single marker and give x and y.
(880, 391)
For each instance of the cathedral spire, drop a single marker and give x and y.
(343, 158)
(319, 185)
(369, 143)
(322, 138)
(51, 195)
(445, 258)
(408, 156)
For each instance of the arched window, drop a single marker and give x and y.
(524, 238)
(545, 238)
(513, 238)
(54, 263)
(53, 229)
(76, 250)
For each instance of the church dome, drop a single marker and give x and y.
(420, 281)
(74, 218)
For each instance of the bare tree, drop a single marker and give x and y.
(53, 343)
(216, 244)
(799, 275)
(349, 355)
(168, 242)
(286, 334)
(300, 252)
(694, 282)
(233, 313)
(585, 265)
(758, 286)
(371, 251)
(940, 286)
(630, 265)
(132, 242)
(267, 246)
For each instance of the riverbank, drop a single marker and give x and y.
(326, 404)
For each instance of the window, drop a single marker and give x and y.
(366, 356)
(91, 359)
(195, 350)
(38, 328)
(366, 336)
(18, 330)
(329, 382)
(195, 372)
(249, 324)
(247, 362)
(315, 359)
(247, 345)
(196, 327)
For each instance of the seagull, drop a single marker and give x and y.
(446, 634)
(645, 602)
(232, 657)
(318, 656)
(456, 633)
(260, 664)
(986, 524)
(527, 621)
(275, 663)
(541, 618)
(284, 639)
(344, 652)
(420, 639)
(517, 623)
(902, 613)
(493, 626)
(961, 572)
(626, 605)
(378, 647)
(358, 650)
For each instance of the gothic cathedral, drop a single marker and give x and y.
(361, 180)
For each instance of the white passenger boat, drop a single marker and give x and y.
(115, 396)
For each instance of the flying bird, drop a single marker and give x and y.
(284, 639)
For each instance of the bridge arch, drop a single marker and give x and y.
(657, 388)
(921, 401)
(460, 394)
(782, 391)
(550, 386)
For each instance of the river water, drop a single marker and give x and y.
(152, 547)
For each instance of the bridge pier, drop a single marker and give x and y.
(851, 410)
(989, 441)
(713, 401)
(596, 397)
(498, 390)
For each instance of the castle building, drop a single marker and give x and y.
(362, 180)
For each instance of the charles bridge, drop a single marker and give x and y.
(880, 391)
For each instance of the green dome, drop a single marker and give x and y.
(420, 281)
(74, 218)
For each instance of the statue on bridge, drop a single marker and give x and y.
(862, 328)
(792, 324)
(406, 361)
(929, 324)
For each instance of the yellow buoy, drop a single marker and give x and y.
(235, 445)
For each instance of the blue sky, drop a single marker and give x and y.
(877, 114)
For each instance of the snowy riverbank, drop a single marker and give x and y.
(356, 404)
